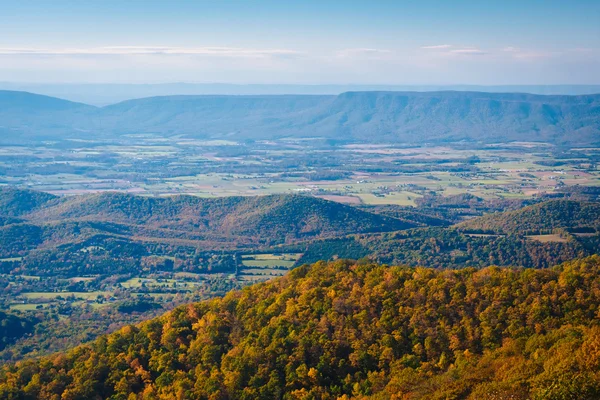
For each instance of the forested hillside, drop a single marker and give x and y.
(345, 330)
(451, 248)
(16, 202)
(117, 233)
(274, 217)
(373, 117)
(575, 215)
(46, 221)
(111, 233)
(14, 327)
(27, 116)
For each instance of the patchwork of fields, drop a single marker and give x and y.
(367, 174)
(41, 293)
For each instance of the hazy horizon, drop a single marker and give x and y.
(102, 94)
(308, 43)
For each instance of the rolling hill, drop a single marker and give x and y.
(573, 215)
(396, 117)
(111, 232)
(350, 331)
(35, 220)
(279, 217)
(15, 202)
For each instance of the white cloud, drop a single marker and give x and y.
(525, 54)
(437, 47)
(448, 50)
(363, 52)
(472, 51)
(434, 64)
(150, 50)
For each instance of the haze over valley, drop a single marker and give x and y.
(299, 200)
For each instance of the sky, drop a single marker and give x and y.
(479, 42)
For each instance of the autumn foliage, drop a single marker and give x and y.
(344, 330)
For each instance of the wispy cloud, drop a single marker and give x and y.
(449, 50)
(363, 52)
(151, 50)
(528, 54)
(470, 51)
(583, 50)
(437, 47)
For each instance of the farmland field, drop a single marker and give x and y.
(386, 178)
(381, 174)
(554, 238)
(257, 267)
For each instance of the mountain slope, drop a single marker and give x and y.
(276, 217)
(35, 220)
(209, 116)
(110, 233)
(14, 101)
(406, 117)
(455, 116)
(450, 248)
(546, 216)
(27, 116)
(16, 202)
(340, 330)
(370, 116)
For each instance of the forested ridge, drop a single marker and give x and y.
(115, 232)
(239, 220)
(542, 217)
(351, 330)
(108, 233)
(13, 327)
(444, 248)
(367, 117)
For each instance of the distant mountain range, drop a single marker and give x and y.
(102, 94)
(375, 117)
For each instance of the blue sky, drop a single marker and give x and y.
(306, 42)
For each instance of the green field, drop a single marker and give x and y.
(27, 307)
(64, 295)
(497, 172)
(260, 267)
(158, 283)
(270, 260)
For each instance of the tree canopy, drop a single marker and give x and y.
(344, 330)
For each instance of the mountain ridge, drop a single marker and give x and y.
(36, 220)
(104, 94)
(352, 331)
(396, 117)
(574, 215)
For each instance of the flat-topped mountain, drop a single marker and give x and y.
(404, 117)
